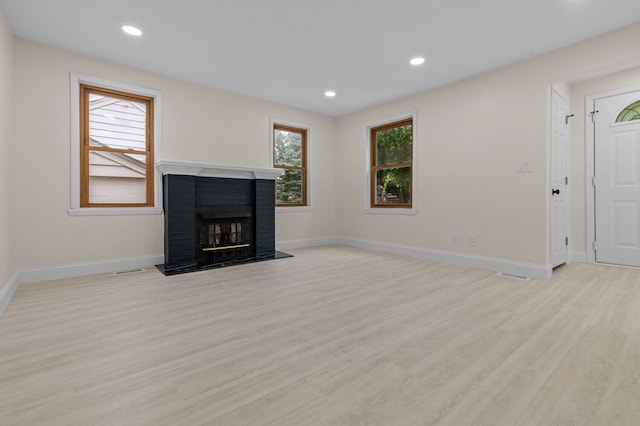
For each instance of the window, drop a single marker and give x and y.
(630, 113)
(116, 148)
(391, 175)
(115, 142)
(290, 154)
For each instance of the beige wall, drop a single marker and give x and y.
(579, 91)
(465, 165)
(7, 212)
(198, 124)
(470, 136)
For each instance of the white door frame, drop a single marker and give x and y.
(590, 164)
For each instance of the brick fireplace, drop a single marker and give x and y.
(216, 215)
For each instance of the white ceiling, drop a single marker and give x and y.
(291, 51)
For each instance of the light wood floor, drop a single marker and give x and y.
(333, 336)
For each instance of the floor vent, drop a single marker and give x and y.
(515, 277)
(132, 271)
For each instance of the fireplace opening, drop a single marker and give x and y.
(225, 235)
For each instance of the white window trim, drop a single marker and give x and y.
(309, 206)
(367, 168)
(75, 209)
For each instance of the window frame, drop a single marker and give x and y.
(369, 197)
(305, 130)
(79, 163)
(86, 148)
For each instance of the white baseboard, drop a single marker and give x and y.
(520, 269)
(8, 291)
(297, 244)
(47, 273)
(577, 257)
(29, 275)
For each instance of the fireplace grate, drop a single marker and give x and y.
(223, 239)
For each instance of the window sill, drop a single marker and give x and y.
(300, 209)
(113, 211)
(402, 212)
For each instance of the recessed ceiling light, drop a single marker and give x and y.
(329, 93)
(417, 61)
(132, 30)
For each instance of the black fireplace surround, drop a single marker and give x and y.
(213, 221)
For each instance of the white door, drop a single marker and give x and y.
(559, 233)
(617, 181)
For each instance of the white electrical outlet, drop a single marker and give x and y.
(277, 229)
(455, 238)
(473, 242)
(523, 166)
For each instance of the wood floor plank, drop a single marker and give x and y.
(332, 336)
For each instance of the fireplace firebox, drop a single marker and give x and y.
(216, 216)
(225, 235)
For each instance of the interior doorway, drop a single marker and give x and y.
(559, 178)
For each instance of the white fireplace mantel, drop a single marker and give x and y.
(216, 170)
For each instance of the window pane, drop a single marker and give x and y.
(117, 123)
(393, 186)
(630, 113)
(289, 187)
(116, 178)
(288, 148)
(394, 145)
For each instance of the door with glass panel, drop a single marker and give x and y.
(617, 179)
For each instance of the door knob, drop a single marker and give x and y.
(555, 191)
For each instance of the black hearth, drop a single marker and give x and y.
(212, 222)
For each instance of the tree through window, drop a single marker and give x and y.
(391, 164)
(290, 154)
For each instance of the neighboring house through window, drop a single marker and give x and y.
(114, 136)
(116, 159)
(391, 164)
(290, 154)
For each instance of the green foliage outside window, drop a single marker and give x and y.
(289, 155)
(393, 154)
(394, 145)
(288, 148)
(393, 186)
(289, 187)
